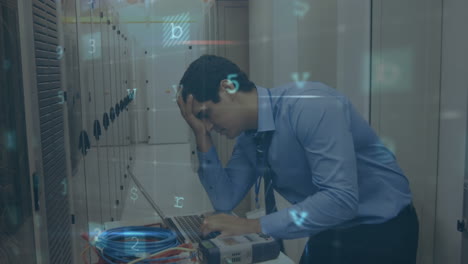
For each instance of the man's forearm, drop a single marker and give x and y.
(255, 225)
(204, 142)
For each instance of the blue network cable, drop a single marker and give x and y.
(125, 244)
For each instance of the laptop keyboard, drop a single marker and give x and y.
(191, 225)
(173, 227)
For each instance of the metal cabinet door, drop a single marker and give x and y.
(464, 222)
(16, 217)
(117, 124)
(98, 94)
(71, 79)
(121, 92)
(89, 187)
(465, 216)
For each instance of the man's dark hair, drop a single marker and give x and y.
(203, 76)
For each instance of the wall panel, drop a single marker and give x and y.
(405, 98)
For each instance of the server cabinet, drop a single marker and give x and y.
(88, 50)
(120, 122)
(126, 91)
(109, 112)
(16, 210)
(101, 176)
(140, 105)
(133, 107)
(87, 215)
(99, 157)
(44, 116)
(71, 67)
(103, 112)
(117, 122)
(463, 223)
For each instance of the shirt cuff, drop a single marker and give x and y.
(275, 224)
(207, 158)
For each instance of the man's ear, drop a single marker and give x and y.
(227, 86)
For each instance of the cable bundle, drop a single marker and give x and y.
(140, 244)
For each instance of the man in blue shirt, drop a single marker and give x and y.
(348, 193)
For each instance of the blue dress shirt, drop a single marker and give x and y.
(327, 161)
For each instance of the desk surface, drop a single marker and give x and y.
(282, 258)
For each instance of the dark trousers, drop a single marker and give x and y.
(392, 242)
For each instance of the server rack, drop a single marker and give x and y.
(75, 69)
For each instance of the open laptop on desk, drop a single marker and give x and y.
(232, 248)
(187, 227)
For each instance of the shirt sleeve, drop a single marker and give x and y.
(322, 126)
(226, 187)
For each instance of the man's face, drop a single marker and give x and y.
(224, 117)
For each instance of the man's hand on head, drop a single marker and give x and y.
(230, 225)
(186, 110)
(202, 136)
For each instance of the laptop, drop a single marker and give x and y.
(187, 227)
(248, 248)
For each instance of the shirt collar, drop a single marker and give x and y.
(266, 120)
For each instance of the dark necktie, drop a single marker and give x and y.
(262, 142)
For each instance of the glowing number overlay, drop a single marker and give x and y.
(133, 247)
(305, 77)
(98, 232)
(92, 42)
(177, 202)
(181, 32)
(64, 187)
(59, 51)
(298, 219)
(236, 83)
(132, 93)
(134, 194)
(301, 8)
(62, 97)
